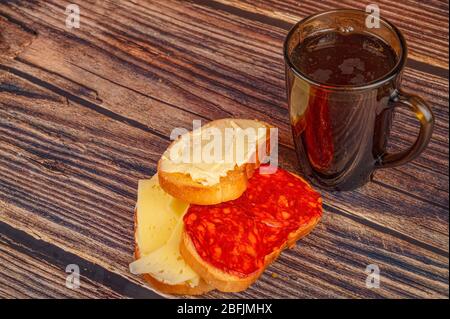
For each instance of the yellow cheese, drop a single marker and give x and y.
(157, 215)
(159, 228)
(166, 264)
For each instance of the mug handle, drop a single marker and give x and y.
(425, 115)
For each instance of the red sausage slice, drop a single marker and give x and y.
(236, 236)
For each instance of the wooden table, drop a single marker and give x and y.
(85, 113)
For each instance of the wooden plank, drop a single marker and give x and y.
(14, 37)
(22, 275)
(33, 268)
(60, 182)
(389, 208)
(132, 83)
(170, 53)
(331, 263)
(58, 168)
(74, 130)
(424, 23)
(388, 205)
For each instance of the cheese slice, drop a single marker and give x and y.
(157, 215)
(166, 263)
(158, 236)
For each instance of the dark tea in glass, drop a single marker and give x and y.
(339, 58)
(343, 82)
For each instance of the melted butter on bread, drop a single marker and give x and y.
(158, 235)
(191, 153)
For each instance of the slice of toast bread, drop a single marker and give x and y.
(231, 186)
(229, 282)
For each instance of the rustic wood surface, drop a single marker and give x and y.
(85, 113)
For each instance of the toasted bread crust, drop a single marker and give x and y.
(230, 186)
(181, 289)
(227, 282)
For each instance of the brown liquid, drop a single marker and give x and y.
(344, 59)
(341, 135)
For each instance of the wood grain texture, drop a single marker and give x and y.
(30, 256)
(13, 37)
(23, 275)
(424, 23)
(98, 228)
(85, 113)
(99, 65)
(105, 237)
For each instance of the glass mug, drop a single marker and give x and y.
(341, 131)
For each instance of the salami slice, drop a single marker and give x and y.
(237, 235)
